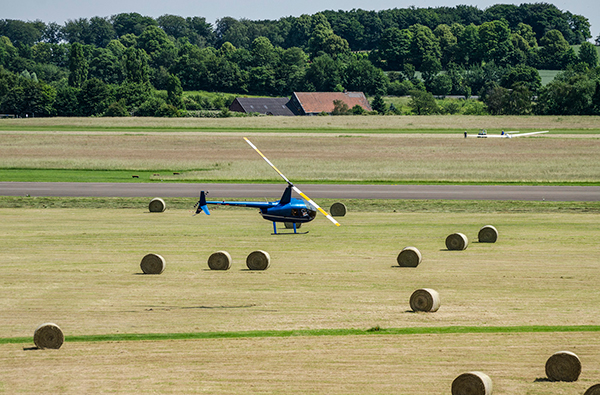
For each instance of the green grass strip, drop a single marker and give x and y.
(317, 332)
(354, 205)
(182, 176)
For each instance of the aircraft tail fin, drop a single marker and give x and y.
(201, 205)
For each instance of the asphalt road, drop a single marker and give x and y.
(446, 192)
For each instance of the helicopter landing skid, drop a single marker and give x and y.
(287, 233)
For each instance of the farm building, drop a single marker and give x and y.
(314, 103)
(262, 105)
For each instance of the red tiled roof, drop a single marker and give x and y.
(316, 102)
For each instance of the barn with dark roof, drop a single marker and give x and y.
(262, 105)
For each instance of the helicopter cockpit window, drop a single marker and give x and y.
(303, 212)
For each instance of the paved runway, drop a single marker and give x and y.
(446, 192)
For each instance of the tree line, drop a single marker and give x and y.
(129, 64)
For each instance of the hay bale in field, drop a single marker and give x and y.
(153, 264)
(48, 336)
(488, 234)
(258, 260)
(409, 257)
(563, 366)
(425, 299)
(593, 390)
(338, 209)
(220, 260)
(472, 383)
(457, 242)
(290, 225)
(157, 205)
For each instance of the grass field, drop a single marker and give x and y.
(331, 315)
(345, 149)
(80, 269)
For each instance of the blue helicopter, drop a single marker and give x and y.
(287, 209)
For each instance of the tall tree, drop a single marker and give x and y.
(556, 53)
(588, 54)
(78, 65)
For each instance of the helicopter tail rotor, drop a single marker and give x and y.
(298, 191)
(201, 205)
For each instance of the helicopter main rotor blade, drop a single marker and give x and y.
(315, 205)
(298, 191)
(268, 161)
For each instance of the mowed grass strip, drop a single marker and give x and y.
(318, 332)
(439, 123)
(353, 205)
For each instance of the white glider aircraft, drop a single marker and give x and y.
(506, 135)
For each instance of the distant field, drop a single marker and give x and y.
(548, 75)
(330, 124)
(80, 269)
(304, 155)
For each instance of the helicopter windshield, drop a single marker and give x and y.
(304, 212)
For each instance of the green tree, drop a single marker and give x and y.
(174, 91)
(570, 93)
(468, 46)
(588, 54)
(94, 97)
(448, 43)
(78, 65)
(394, 48)
(526, 76)
(424, 48)
(131, 23)
(379, 105)
(556, 53)
(66, 103)
(263, 53)
(323, 74)
(117, 109)
(136, 66)
(440, 85)
(324, 41)
(423, 103)
(26, 97)
(361, 75)
(495, 42)
(157, 45)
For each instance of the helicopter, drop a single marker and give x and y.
(506, 135)
(287, 209)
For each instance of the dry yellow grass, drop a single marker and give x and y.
(543, 271)
(333, 157)
(411, 365)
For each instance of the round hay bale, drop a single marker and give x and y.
(457, 242)
(409, 257)
(338, 209)
(220, 260)
(290, 225)
(153, 264)
(425, 299)
(48, 336)
(488, 234)
(563, 366)
(472, 383)
(157, 205)
(258, 260)
(593, 390)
